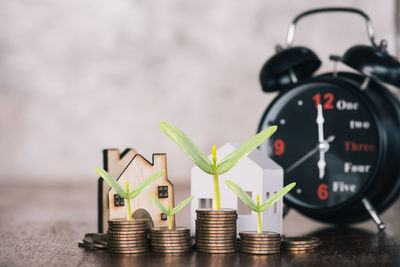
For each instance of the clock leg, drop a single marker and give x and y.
(372, 212)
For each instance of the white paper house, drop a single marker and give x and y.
(256, 174)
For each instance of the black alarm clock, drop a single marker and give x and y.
(338, 133)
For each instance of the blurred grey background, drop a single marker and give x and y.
(80, 76)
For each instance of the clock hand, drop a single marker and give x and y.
(320, 122)
(321, 163)
(323, 146)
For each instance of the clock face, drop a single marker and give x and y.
(327, 142)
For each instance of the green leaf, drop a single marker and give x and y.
(158, 204)
(233, 158)
(242, 195)
(138, 189)
(268, 203)
(181, 205)
(187, 146)
(112, 182)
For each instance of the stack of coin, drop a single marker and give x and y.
(127, 236)
(253, 242)
(216, 230)
(301, 244)
(175, 240)
(94, 241)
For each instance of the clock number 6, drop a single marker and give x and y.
(323, 191)
(279, 147)
(328, 97)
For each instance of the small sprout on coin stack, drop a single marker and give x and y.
(128, 195)
(168, 211)
(246, 199)
(202, 161)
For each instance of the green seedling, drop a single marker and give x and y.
(168, 211)
(246, 199)
(128, 195)
(202, 161)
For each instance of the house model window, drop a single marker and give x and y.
(163, 216)
(163, 191)
(205, 203)
(242, 208)
(118, 201)
(273, 210)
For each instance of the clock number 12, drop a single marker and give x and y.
(328, 97)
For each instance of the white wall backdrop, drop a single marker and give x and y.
(80, 76)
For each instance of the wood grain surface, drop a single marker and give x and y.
(40, 225)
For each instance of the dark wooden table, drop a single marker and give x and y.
(40, 225)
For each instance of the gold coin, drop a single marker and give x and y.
(211, 211)
(261, 242)
(226, 228)
(170, 241)
(215, 235)
(301, 240)
(187, 240)
(125, 231)
(265, 234)
(90, 241)
(132, 251)
(216, 217)
(217, 241)
(170, 245)
(301, 245)
(92, 245)
(216, 246)
(126, 243)
(125, 221)
(301, 251)
(224, 233)
(137, 225)
(132, 230)
(260, 248)
(177, 229)
(168, 236)
(259, 252)
(215, 224)
(216, 251)
(127, 239)
(122, 233)
(216, 231)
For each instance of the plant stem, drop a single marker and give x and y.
(128, 203)
(259, 221)
(129, 215)
(169, 222)
(217, 195)
(169, 217)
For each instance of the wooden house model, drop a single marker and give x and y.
(256, 174)
(132, 167)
